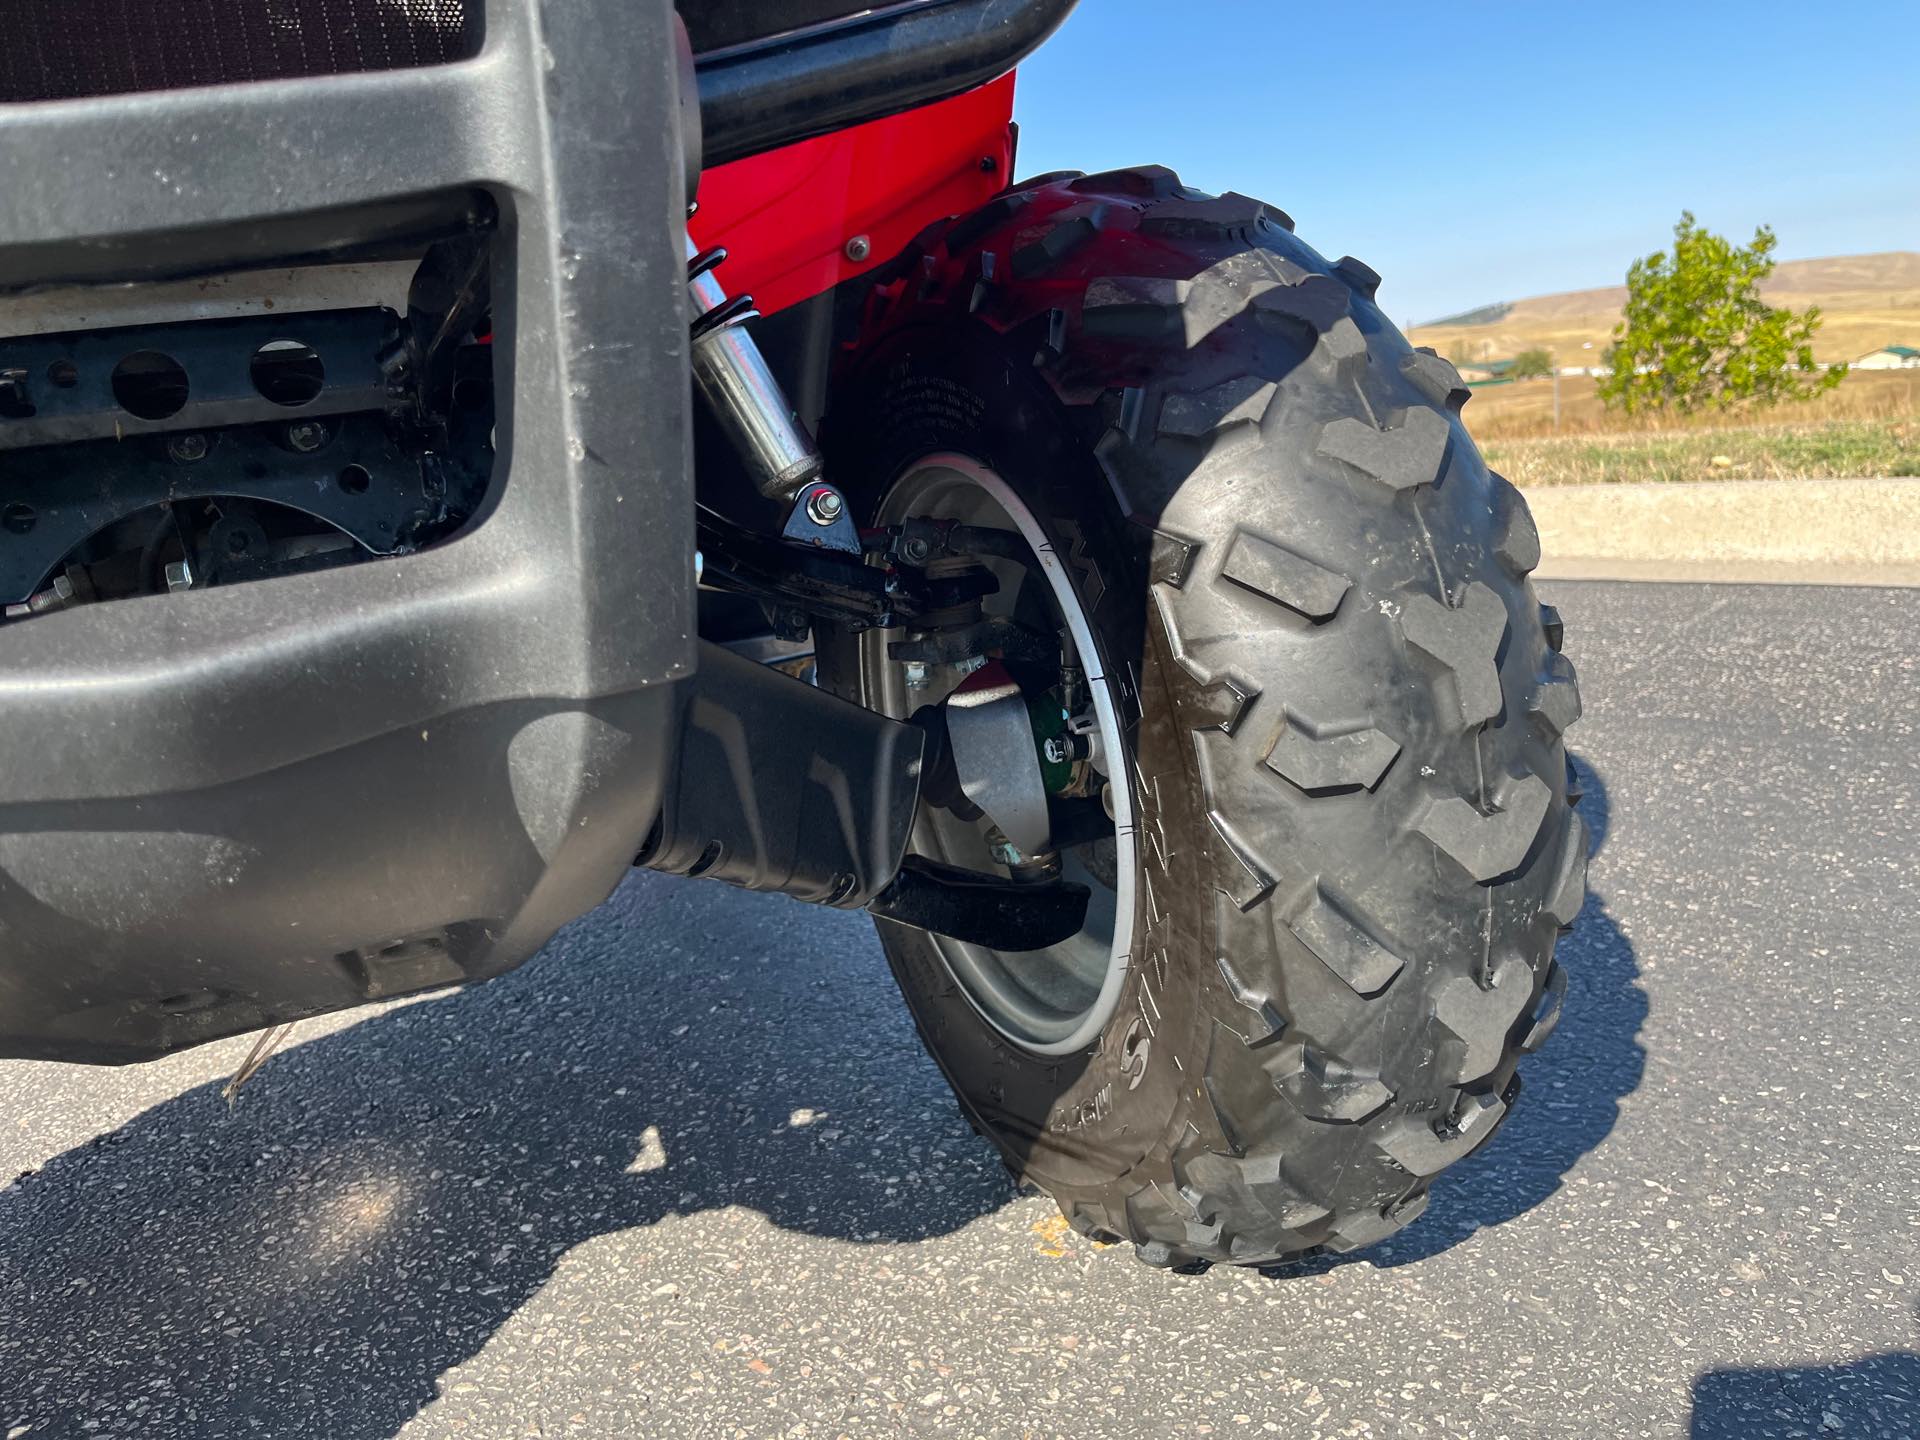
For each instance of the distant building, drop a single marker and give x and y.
(1500, 372)
(1889, 357)
(1484, 372)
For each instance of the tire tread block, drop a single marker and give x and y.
(1258, 564)
(1554, 628)
(1369, 1227)
(1324, 1087)
(1519, 542)
(1273, 1023)
(1159, 307)
(1066, 237)
(1327, 925)
(1466, 640)
(1417, 1147)
(1148, 182)
(1489, 845)
(1480, 1018)
(1546, 1015)
(1357, 273)
(1231, 216)
(1171, 560)
(1399, 456)
(1196, 415)
(1239, 873)
(1569, 892)
(1320, 301)
(1437, 379)
(1319, 759)
(1556, 695)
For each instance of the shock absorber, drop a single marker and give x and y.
(744, 395)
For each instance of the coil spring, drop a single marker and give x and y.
(737, 310)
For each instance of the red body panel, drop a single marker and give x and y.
(787, 217)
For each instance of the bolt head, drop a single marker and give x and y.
(916, 674)
(306, 436)
(967, 664)
(824, 506)
(188, 447)
(1057, 751)
(859, 248)
(1005, 852)
(915, 551)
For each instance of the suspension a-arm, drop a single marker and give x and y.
(879, 586)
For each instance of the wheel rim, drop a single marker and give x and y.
(1057, 1000)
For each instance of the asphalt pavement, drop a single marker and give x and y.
(688, 1173)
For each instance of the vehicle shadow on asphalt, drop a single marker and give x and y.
(1876, 1398)
(383, 1198)
(1572, 1089)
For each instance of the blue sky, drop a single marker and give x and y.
(1481, 152)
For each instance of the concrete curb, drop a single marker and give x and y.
(1813, 532)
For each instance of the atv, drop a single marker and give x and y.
(408, 524)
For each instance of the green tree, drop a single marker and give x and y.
(1697, 334)
(1531, 365)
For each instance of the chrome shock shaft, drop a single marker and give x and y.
(745, 397)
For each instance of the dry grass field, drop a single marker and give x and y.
(1524, 408)
(1831, 449)
(1866, 300)
(1869, 426)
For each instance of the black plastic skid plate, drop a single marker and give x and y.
(784, 787)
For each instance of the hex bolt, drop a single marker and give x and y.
(859, 248)
(967, 664)
(56, 596)
(306, 436)
(187, 447)
(179, 576)
(915, 550)
(1057, 750)
(916, 674)
(1003, 850)
(824, 505)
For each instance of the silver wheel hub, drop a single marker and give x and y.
(1057, 1000)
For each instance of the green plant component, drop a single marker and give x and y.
(1049, 720)
(1698, 336)
(1531, 365)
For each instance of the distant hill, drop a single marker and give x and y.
(1485, 315)
(1866, 301)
